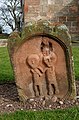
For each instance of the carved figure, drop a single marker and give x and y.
(37, 71)
(49, 58)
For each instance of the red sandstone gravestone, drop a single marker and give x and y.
(42, 61)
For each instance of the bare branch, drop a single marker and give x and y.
(10, 13)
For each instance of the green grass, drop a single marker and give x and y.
(3, 36)
(67, 114)
(6, 73)
(76, 61)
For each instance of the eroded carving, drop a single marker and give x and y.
(37, 71)
(48, 58)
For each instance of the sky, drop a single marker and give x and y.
(7, 29)
(1, 1)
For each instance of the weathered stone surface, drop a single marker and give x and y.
(42, 61)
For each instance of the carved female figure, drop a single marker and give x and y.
(37, 72)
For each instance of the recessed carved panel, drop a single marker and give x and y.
(41, 68)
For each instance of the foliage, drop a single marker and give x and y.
(10, 13)
(67, 114)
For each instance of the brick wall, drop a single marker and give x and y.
(63, 11)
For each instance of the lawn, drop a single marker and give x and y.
(76, 61)
(67, 114)
(6, 73)
(4, 36)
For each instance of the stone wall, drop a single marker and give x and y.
(63, 11)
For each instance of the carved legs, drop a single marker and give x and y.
(53, 88)
(56, 88)
(50, 89)
(38, 90)
(52, 83)
(38, 84)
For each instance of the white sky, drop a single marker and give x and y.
(1, 1)
(7, 29)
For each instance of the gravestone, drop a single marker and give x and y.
(42, 61)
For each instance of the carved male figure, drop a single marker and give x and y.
(49, 58)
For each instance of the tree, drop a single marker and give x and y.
(11, 14)
(0, 29)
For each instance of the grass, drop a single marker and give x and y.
(3, 36)
(6, 73)
(67, 114)
(76, 61)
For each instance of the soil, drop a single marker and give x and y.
(9, 101)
